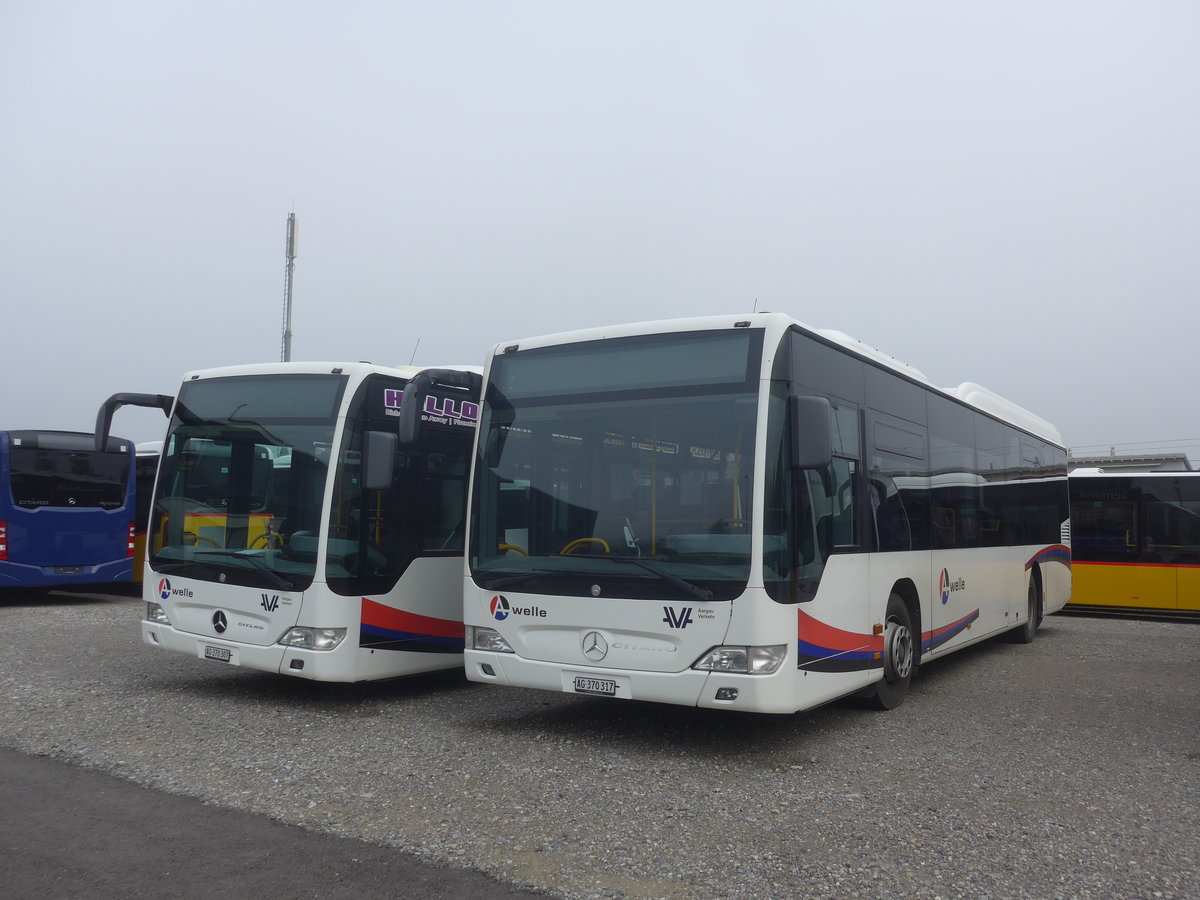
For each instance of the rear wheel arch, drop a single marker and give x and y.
(1031, 616)
(1040, 585)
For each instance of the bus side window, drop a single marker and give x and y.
(891, 520)
(845, 501)
(820, 501)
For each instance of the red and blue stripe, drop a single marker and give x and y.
(1059, 553)
(931, 640)
(824, 648)
(386, 628)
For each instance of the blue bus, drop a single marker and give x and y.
(67, 510)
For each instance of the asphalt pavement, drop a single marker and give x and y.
(71, 832)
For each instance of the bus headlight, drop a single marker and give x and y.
(313, 638)
(743, 660)
(156, 614)
(480, 638)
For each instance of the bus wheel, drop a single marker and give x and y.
(899, 656)
(1023, 633)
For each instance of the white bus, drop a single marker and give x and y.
(746, 513)
(292, 532)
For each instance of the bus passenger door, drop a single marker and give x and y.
(834, 632)
(898, 483)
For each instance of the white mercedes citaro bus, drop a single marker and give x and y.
(746, 513)
(295, 530)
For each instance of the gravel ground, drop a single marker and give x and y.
(1067, 768)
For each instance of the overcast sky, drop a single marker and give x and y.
(1003, 192)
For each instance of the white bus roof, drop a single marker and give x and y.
(969, 392)
(272, 368)
(864, 349)
(1003, 408)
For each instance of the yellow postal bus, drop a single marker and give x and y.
(1136, 541)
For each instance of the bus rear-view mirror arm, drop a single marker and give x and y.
(409, 422)
(811, 433)
(116, 401)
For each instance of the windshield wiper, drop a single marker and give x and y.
(687, 587)
(692, 590)
(509, 580)
(278, 580)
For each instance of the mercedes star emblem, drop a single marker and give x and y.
(595, 647)
(220, 623)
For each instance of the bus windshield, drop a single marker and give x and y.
(630, 478)
(242, 478)
(1148, 518)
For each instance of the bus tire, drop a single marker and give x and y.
(1023, 633)
(899, 656)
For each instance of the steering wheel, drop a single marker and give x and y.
(583, 542)
(201, 538)
(267, 539)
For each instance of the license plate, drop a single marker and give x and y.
(68, 570)
(220, 653)
(605, 687)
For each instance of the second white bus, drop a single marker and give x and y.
(292, 532)
(746, 513)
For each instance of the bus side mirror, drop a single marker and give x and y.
(406, 425)
(379, 460)
(811, 434)
(494, 449)
(116, 401)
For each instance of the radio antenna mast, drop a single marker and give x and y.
(289, 256)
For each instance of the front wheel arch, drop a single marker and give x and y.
(901, 649)
(907, 592)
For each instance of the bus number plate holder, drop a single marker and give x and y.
(218, 653)
(68, 570)
(603, 687)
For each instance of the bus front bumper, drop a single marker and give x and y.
(691, 687)
(324, 665)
